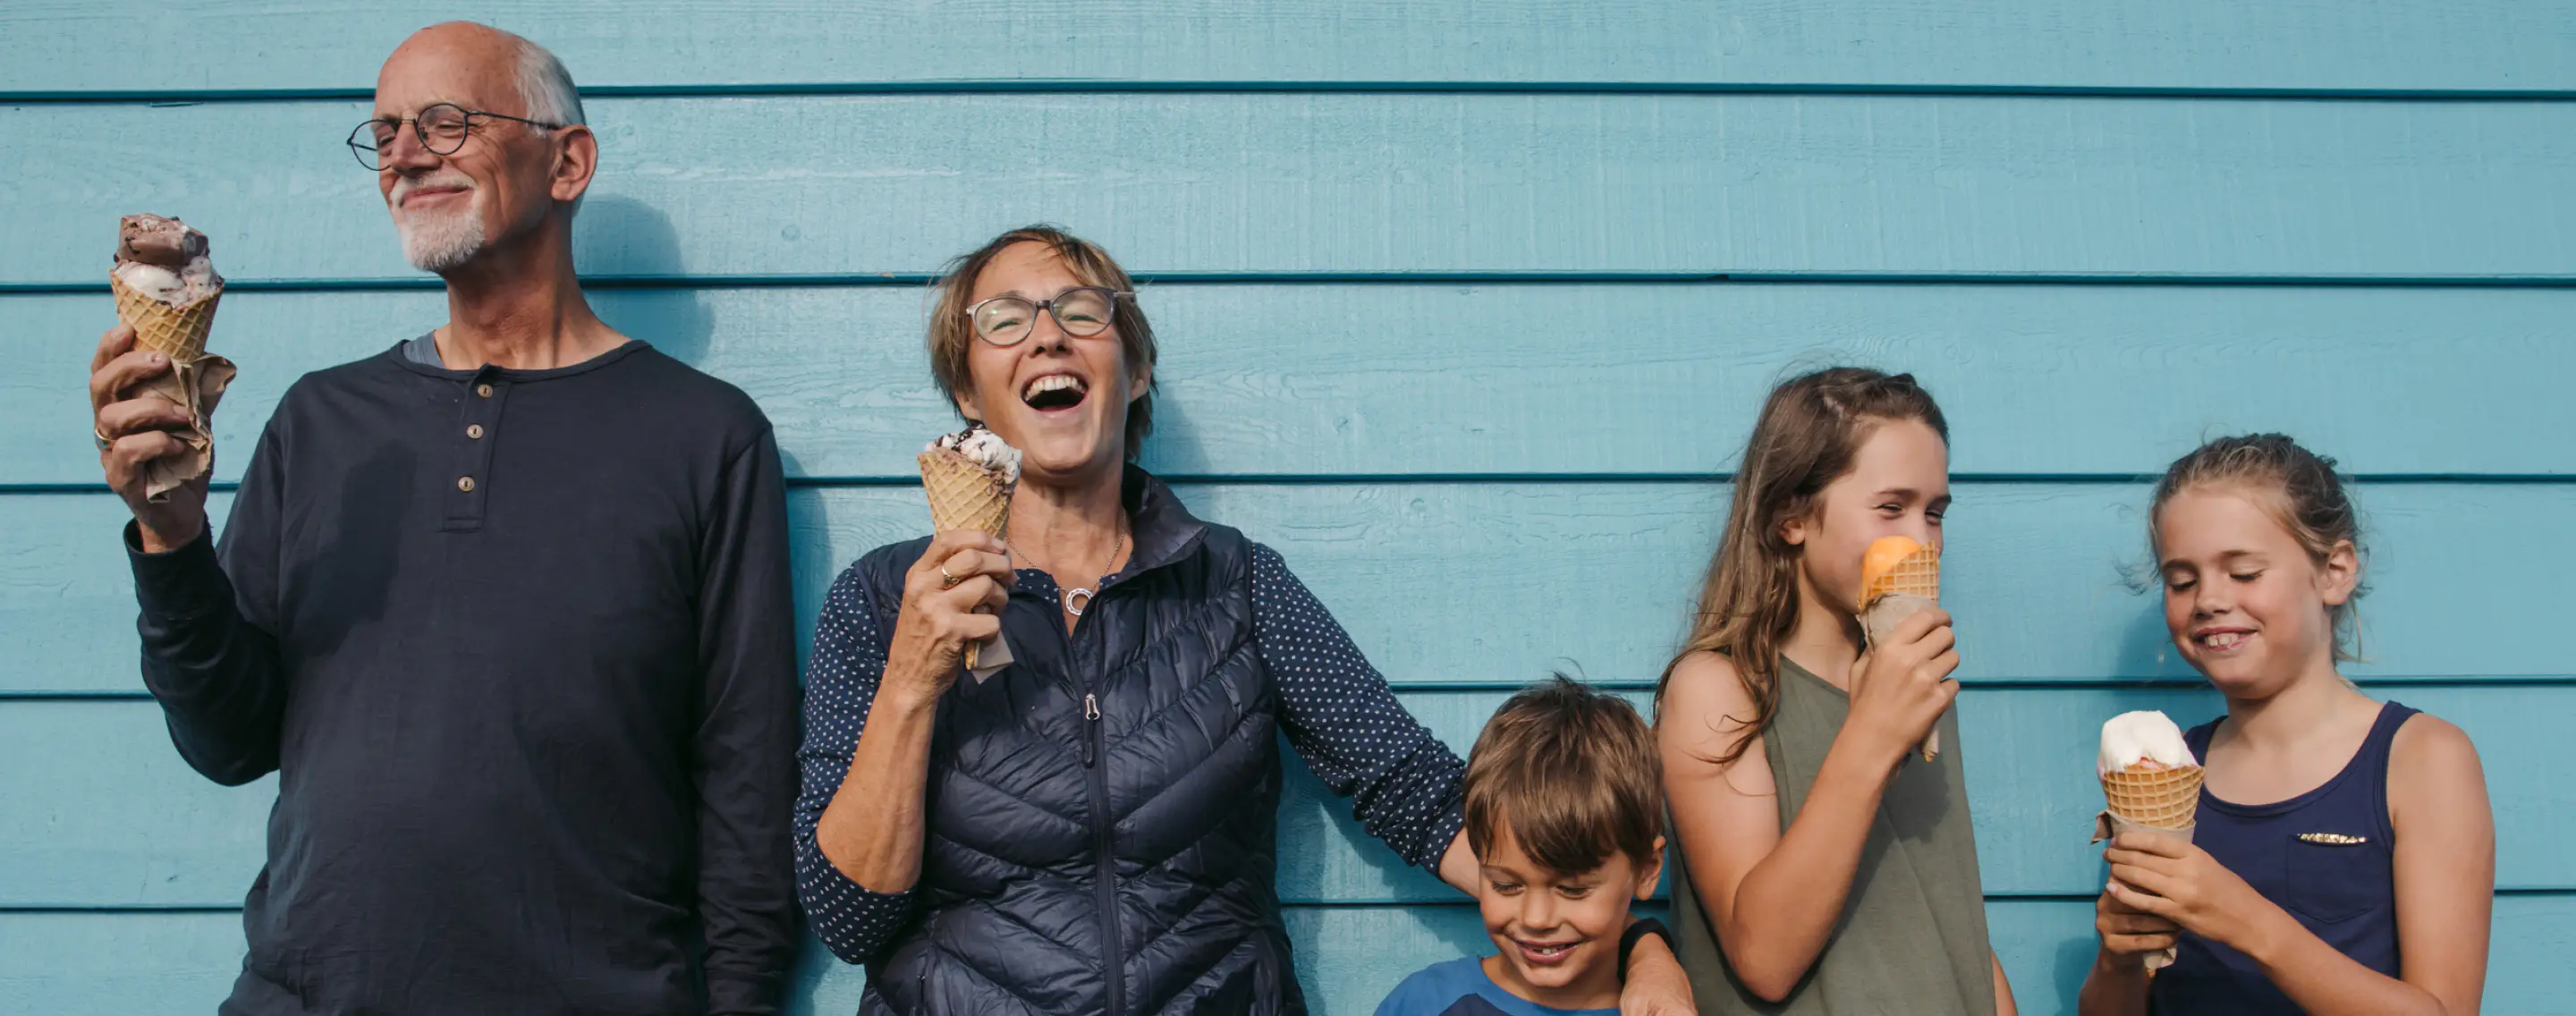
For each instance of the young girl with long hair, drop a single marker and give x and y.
(1824, 870)
(2332, 828)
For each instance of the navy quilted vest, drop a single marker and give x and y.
(1102, 812)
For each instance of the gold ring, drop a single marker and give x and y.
(947, 581)
(101, 436)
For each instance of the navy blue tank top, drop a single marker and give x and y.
(2324, 856)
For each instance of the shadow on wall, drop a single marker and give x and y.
(2146, 648)
(2074, 962)
(1173, 448)
(1311, 826)
(621, 237)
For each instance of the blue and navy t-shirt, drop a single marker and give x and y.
(1460, 988)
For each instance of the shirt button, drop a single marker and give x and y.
(483, 390)
(465, 483)
(474, 430)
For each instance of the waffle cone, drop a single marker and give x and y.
(177, 332)
(2163, 798)
(964, 495)
(1915, 574)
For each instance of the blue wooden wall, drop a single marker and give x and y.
(1466, 303)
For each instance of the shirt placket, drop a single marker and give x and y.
(478, 427)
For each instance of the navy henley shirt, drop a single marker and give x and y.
(519, 644)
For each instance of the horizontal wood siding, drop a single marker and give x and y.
(1333, 184)
(1465, 306)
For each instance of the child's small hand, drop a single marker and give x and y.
(2129, 932)
(1900, 688)
(2181, 883)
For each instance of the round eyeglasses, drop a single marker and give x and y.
(1083, 311)
(441, 127)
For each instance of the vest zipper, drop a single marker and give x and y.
(1115, 965)
(1090, 728)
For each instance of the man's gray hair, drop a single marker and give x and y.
(546, 87)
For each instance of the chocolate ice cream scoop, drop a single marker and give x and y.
(160, 257)
(156, 240)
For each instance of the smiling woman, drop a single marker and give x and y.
(1104, 805)
(999, 293)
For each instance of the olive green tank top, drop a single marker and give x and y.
(1912, 937)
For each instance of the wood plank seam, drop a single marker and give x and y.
(717, 281)
(1093, 86)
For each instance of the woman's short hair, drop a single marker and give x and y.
(952, 335)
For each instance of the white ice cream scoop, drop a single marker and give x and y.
(153, 281)
(2146, 735)
(984, 448)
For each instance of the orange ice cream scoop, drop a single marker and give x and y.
(1898, 564)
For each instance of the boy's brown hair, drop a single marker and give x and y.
(1573, 772)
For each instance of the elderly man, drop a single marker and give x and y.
(506, 607)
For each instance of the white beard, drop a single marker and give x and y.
(439, 242)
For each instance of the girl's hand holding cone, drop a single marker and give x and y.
(1902, 685)
(2167, 878)
(952, 596)
(2130, 932)
(1899, 576)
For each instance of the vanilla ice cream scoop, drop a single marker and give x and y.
(984, 448)
(2143, 736)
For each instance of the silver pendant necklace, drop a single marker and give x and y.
(1078, 599)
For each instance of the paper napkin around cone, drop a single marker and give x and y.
(196, 380)
(1889, 596)
(2158, 802)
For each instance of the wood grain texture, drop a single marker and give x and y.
(1939, 186)
(147, 964)
(1398, 379)
(111, 817)
(2488, 45)
(1535, 574)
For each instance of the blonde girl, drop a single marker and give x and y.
(2332, 828)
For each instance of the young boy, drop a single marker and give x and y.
(1565, 807)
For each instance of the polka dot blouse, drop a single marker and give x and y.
(1336, 710)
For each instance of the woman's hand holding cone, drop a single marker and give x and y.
(941, 614)
(139, 430)
(1901, 686)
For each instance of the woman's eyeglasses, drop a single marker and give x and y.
(1083, 311)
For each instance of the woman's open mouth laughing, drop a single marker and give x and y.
(1050, 393)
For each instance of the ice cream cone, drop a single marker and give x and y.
(965, 495)
(1918, 573)
(177, 332)
(2164, 797)
(1898, 577)
(2150, 797)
